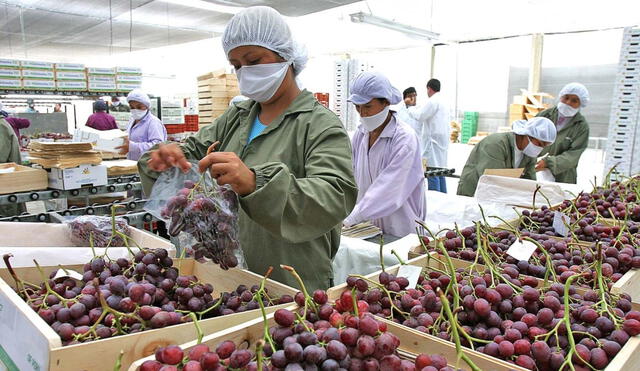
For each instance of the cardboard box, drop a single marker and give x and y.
(101, 71)
(39, 84)
(129, 70)
(127, 87)
(38, 74)
(21, 178)
(77, 177)
(71, 75)
(71, 85)
(105, 140)
(10, 73)
(13, 84)
(9, 63)
(70, 67)
(129, 78)
(36, 65)
(172, 120)
(101, 78)
(102, 86)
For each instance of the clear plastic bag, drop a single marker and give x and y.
(202, 214)
(86, 228)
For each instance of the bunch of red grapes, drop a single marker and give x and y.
(210, 215)
(118, 297)
(618, 202)
(326, 340)
(507, 317)
(97, 230)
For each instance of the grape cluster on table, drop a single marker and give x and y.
(210, 215)
(147, 292)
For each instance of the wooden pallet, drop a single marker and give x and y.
(30, 343)
(412, 343)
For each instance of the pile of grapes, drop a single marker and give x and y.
(210, 215)
(505, 316)
(117, 297)
(348, 343)
(97, 231)
(619, 201)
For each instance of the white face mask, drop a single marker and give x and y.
(261, 81)
(566, 110)
(532, 150)
(373, 122)
(115, 103)
(138, 114)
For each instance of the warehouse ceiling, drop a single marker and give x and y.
(76, 28)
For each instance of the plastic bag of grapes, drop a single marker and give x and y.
(87, 229)
(200, 213)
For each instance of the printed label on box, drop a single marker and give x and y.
(70, 66)
(71, 75)
(10, 73)
(101, 86)
(11, 83)
(101, 71)
(128, 87)
(37, 74)
(131, 70)
(98, 78)
(71, 85)
(39, 84)
(13, 63)
(129, 78)
(37, 65)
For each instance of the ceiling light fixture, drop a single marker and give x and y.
(204, 5)
(395, 26)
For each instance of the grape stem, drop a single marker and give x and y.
(18, 281)
(259, 353)
(567, 324)
(198, 328)
(258, 295)
(118, 365)
(355, 302)
(398, 257)
(381, 253)
(307, 299)
(384, 289)
(454, 330)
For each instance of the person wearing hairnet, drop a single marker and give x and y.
(286, 156)
(118, 106)
(573, 134)
(386, 160)
(145, 130)
(517, 149)
(100, 119)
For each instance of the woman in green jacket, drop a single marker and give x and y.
(286, 155)
(9, 152)
(573, 134)
(518, 149)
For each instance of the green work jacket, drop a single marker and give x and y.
(304, 186)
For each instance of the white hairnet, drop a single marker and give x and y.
(540, 128)
(578, 89)
(264, 26)
(139, 96)
(370, 85)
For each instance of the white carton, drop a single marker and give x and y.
(129, 70)
(74, 178)
(39, 84)
(101, 71)
(102, 86)
(38, 74)
(71, 85)
(105, 140)
(36, 65)
(14, 84)
(71, 75)
(11, 63)
(127, 87)
(173, 120)
(102, 78)
(70, 67)
(129, 78)
(10, 73)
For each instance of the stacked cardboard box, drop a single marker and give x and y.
(37, 75)
(215, 91)
(527, 105)
(101, 80)
(128, 78)
(70, 77)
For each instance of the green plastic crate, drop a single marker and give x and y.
(471, 115)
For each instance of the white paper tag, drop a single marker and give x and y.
(411, 272)
(560, 222)
(35, 207)
(68, 273)
(522, 250)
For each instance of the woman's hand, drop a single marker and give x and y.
(124, 148)
(167, 156)
(228, 168)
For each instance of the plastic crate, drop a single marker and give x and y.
(174, 128)
(471, 115)
(191, 122)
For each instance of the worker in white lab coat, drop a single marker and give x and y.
(409, 98)
(434, 138)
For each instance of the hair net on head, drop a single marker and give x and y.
(370, 85)
(264, 26)
(578, 89)
(139, 96)
(540, 128)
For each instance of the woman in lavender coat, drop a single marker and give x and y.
(145, 130)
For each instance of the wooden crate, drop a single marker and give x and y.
(412, 343)
(22, 179)
(38, 346)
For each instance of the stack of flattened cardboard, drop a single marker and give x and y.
(63, 155)
(527, 105)
(215, 91)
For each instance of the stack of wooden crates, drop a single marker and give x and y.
(527, 105)
(215, 91)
